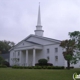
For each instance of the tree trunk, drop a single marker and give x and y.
(68, 64)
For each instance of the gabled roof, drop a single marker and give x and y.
(40, 37)
(45, 38)
(25, 41)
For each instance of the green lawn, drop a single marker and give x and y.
(34, 74)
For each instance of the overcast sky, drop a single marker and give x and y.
(18, 18)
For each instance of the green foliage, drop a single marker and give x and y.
(42, 61)
(6, 63)
(58, 67)
(70, 67)
(3, 66)
(75, 58)
(38, 67)
(44, 67)
(69, 46)
(76, 37)
(68, 57)
(72, 48)
(5, 46)
(49, 67)
(48, 64)
(1, 60)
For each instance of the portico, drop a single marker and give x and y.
(27, 57)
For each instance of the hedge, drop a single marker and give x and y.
(38, 67)
(48, 64)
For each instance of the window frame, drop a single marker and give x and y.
(48, 58)
(56, 58)
(56, 50)
(48, 50)
(18, 53)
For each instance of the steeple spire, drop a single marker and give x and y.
(39, 16)
(39, 31)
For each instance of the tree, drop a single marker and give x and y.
(72, 48)
(1, 60)
(69, 47)
(76, 37)
(5, 46)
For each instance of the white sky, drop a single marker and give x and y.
(18, 18)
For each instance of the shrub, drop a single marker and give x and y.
(29, 67)
(37, 64)
(49, 67)
(14, 66)
(1, 60)
(58, 67)
(44, 67)
(6, 63)
(25, 67)
(49, 64)
(39, 67)
(35, 67)
(42, 61)
(3, 66)
(70, 67)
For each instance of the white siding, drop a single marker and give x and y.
(52, 55)
(41, 52)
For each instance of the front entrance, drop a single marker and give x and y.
(30, 58)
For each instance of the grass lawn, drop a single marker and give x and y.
(36, 74)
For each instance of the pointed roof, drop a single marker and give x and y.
(39, 17)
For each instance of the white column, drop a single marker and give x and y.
(33, 57)
(27, 57)
(20, 59)
(15, 58)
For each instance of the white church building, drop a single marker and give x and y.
(35, 47)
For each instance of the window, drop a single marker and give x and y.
(56, 50)
(12, 59)
(13, 54)
(18, 53)
(47, 50)
(48, 58)
(56, 58)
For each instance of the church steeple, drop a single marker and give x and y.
(39, 16)
(39, 30)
